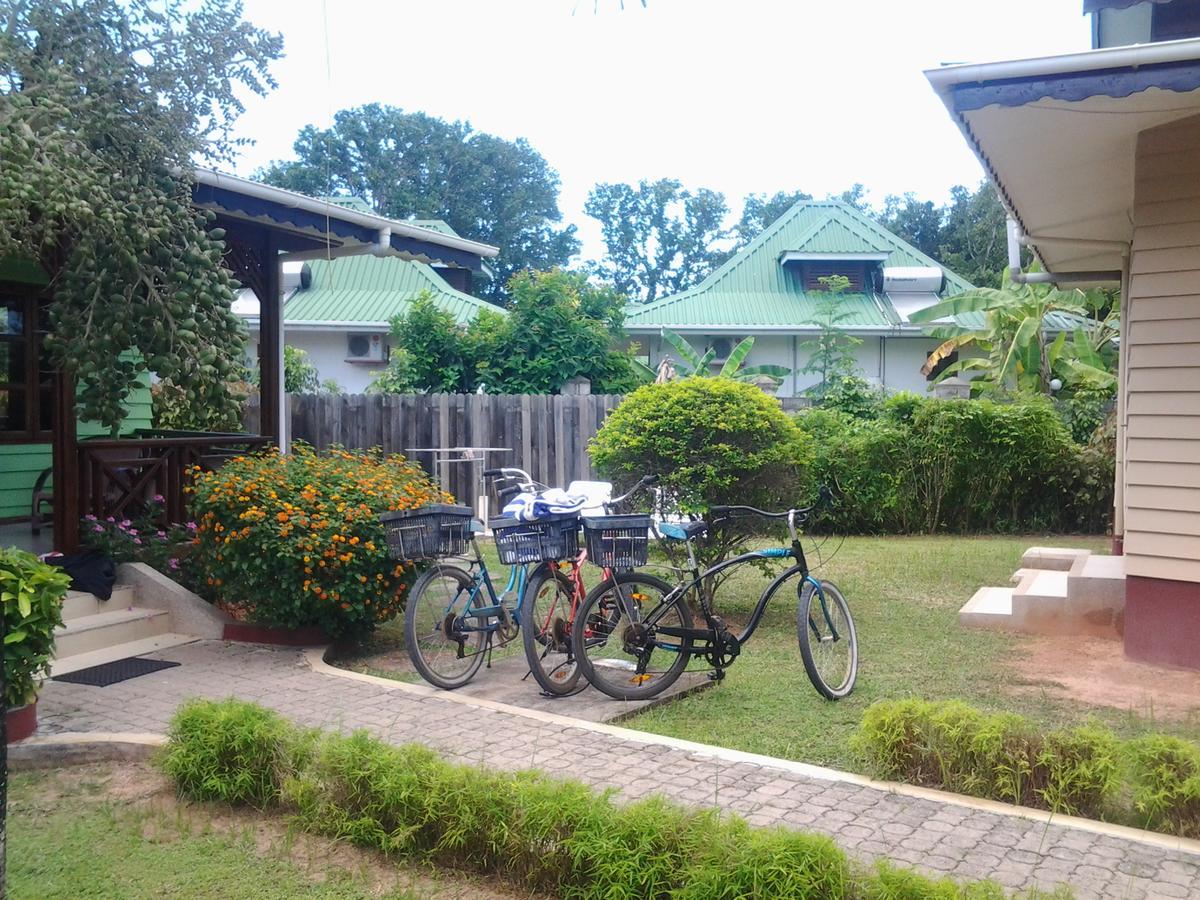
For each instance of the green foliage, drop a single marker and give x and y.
(999, 756)
(1086, 411)
(759, 213)
(659, 237)
(852, 395)
(927, 465)
(231, 751)
(1165, 775)
(144, 538)
(415, 165)
(695, 364)
(712, 441)
(558, 327)
(542, 835)
(173, 409)
(103, 107)
(31, 594)
(832, 349)
(294, 541)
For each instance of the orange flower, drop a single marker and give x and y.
(282, 517)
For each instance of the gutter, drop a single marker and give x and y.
(657, 330)
(1016, 239)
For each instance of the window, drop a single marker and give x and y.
(1172, 21)
(814, 272)
(26, 379)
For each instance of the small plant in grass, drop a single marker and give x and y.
(31, 596)
(1165, 775)
(293, 541)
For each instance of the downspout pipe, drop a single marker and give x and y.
(1016, 240)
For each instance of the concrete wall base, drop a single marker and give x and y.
(190, 613)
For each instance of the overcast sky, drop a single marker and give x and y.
(734, 95)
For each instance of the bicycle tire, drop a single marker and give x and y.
(546, 631)
(813, 621)
(607, 666)
(425, 631)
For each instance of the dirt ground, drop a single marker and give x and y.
(1095, 671)
(143, 788)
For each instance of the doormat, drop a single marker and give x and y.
(110, 673)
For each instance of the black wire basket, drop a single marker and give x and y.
(547, 539)
(617, 542)
(428, 531)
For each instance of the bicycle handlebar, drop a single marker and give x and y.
(824, 496)
(645, 482)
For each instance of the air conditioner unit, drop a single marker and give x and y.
(364, 347)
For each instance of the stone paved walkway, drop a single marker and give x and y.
(938, 837)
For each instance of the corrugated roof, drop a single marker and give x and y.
(371, 290)
(753, 290)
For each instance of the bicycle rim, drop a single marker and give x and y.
(613, 651)
(546, 613)
(444, 647)
(828, 641)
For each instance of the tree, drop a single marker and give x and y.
(103, 107)
(660, 238)
(415, 165)
(832, 356)
(917, 221)
(759, 213)
(973, 239)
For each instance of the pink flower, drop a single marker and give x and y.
(191, 526)
(98, 527)
(137, 540)
(110, 519)
(125, 523)
(133, 531)
(159, 498)
(173, 563)
(162, 534)
(90, 518)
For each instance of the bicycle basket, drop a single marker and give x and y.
(427, 532)
(547, 539)
(617, 542)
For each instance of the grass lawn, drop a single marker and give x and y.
(905, 593)
(116, 830)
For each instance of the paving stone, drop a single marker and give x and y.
(935, 836)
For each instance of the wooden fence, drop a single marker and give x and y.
(546, 435)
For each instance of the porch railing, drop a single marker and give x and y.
(119, 477)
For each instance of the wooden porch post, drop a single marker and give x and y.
(65, 460)
(270, 347)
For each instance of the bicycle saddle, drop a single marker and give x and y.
(682, 531)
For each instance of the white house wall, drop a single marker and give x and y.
(327, 351)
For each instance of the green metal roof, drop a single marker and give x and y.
(370, 290)
(753, 290)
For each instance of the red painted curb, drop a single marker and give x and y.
(310, 636)
(21, 722)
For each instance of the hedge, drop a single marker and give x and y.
(541, 834)
(927, 465)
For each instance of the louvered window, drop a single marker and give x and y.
(814, 272)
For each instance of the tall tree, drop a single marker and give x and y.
(104, 104)
(973, 241)
(917, 221)
(660, 238)
(759, 213)
(408, 164)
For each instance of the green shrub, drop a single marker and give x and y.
(853, 395)
(1165, 784)
(31, 596)
(292, 541)
(999, 756)
(230, 751)
(554, 837)
(712, 441)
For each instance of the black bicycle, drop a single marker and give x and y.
(637, 633)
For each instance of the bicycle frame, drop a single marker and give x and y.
(518, 577)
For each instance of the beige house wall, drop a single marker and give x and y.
(1161, 452)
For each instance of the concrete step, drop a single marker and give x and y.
(1019, 574)
(1096, 587)
(990, 607)
(105, 629)
(1056, 558)
(78, 604)
(67, 664)
(1040, 587)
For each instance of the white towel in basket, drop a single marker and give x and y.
(528, 506)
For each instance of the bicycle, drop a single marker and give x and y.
(454, 616)
(626, 629)
(552, 605)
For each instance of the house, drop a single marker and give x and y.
(771, 290)
(1096, 156)
(338, 310)
(265, 228)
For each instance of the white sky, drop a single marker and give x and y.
(734, 95)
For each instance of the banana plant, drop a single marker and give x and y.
(692, 363)
(1016, 352)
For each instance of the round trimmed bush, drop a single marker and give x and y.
(295, 541)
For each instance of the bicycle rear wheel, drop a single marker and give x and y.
(546, 615)
(828, 641)
(444, 647)
(610, 646)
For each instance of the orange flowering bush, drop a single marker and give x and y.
(293, 541)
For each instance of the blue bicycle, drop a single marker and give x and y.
(637, 635)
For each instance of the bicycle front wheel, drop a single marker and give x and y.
(445, 645)
(546, 614)
(616, 639)
(828, 641)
